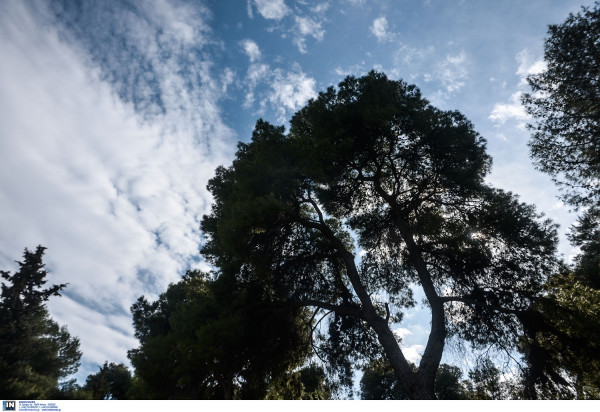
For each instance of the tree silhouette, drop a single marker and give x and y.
(35, 352)
(372, 191)
(205, 339)
(112, 381)
(564, 103)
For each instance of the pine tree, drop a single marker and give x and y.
(35, 352)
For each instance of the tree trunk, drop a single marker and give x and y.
(418, 385)
(226, 384)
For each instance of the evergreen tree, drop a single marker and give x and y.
(379, 382)
(112, 381)
(373, 159)
(308, 383)
(564, 104)
(205, 339)
(562, 349)
(484, 381)
(35, 352)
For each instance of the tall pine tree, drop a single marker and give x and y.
(35, 352)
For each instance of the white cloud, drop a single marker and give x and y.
(251, 49)
(452, 72)
(227, 78)
(256, 74)
(528, 65)
(379, 28)
(304, 27)
(114, 193)
(512, 110)
(402, 333)
(308, 19)
(354, 70)
(283, 91)
(290, 91)
(413, 353)
(272, 9)
(320, 8)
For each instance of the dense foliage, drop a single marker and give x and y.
(35, 352)
(563, 350)
(371, 191)
(205, 339)
(564, 105)
(112, 381)
(484, 381)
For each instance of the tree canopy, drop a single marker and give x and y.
(484, 382)
(564, 103)
(372, 191)
(205, 339)
(35, 352)
(112, 381)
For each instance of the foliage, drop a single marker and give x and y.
(373, 190)
(486, 382)
(307, 383)
(561, 348)
(205, 339)
(449, 384)
(112, 381)
(35, 352)
(564, 103)
(586, 236)
(562, 351)
(380, 382)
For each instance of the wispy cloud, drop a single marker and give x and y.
(511, 110)
(104, 155)
(402, 332)
(449, 76)
(452, 72)
(282, 91)
(380, 29)
(320, 8)
(270, 9)
(528, 65)
(304, 21)
(306, 27)
(251, 49)
(290, 91)
(256, 74)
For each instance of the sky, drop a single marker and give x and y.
(114, 115)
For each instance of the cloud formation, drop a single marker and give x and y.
(379, 28)
(290, 91)
(452, 72)
(251, 49)
(106, 167)
(305, 27)
(528, 65)
(282, 91)
(271, 9)
(511, 110)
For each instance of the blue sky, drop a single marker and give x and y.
(114, 115)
